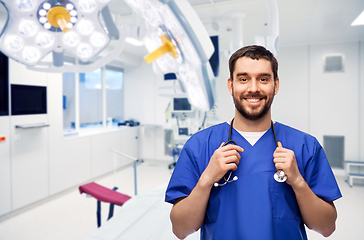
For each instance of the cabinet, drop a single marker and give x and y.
(5, 174)
(29, 157)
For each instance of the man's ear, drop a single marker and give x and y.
(230, 86)
(276, 86)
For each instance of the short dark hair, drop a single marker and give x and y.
(254, 52)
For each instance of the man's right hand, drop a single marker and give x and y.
(224, 159)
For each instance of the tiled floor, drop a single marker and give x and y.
(71, 216)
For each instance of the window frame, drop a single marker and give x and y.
(78, 130)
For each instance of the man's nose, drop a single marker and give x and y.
(254, 86)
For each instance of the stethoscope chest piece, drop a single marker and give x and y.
(280, 176)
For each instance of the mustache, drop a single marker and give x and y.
(242, 96)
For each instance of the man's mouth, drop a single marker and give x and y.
(253, 100)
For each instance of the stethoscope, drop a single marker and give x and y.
(279, 176)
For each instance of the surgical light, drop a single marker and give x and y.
(36, 28)
(28, 28)
(97, 39)
(178, 42)
(25, 5)
(87, 5)
(71, 39)
(13, 43)
(85, 27)
(44, 39)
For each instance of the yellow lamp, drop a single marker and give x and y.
(167, 47)
(59, 17)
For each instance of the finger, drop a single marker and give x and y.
(280, 145)
(231, 166)
(279, 160)
(234, 147)
(279, 166)
(279, 154)
(232, 159)
(231, 152)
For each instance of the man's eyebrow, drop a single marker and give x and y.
(242, 74)
(260, 75)
(265, 75)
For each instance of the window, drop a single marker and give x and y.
(69, 103)
(90, 92)
(84, 101)
(114, 94)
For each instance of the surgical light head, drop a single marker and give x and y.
(36, 28)
(179, 43)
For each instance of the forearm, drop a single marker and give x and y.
(317, 214)
(188, 214)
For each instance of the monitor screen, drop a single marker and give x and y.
(4, 85)
(215, 59)
(181, 105)
(26, 99)
(170, 76)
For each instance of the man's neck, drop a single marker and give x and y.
(245, 125)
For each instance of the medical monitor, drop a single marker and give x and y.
(215, 58)
(26, 99)
(181, 105)
(170, 76)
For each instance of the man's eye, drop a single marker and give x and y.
(243, 80)
(263, 79)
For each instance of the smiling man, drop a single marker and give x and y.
(228, 190)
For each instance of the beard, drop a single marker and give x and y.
(253, 112)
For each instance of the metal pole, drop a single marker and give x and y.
(135, 178)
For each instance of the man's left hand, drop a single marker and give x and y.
(285, 160)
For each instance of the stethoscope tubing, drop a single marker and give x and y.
(279, 176)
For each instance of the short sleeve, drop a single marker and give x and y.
(319, 175)
(184, 177)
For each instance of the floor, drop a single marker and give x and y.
(72, 216)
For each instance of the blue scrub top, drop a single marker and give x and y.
(255, 206)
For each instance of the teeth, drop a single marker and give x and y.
(253, 100)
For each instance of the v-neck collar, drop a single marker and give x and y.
(242, 142)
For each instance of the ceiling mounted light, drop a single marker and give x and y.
(179, 43)
(359, 20)
(25, 5)
(36, 28)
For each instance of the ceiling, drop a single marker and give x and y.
(301, 22)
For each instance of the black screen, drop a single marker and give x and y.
(214, 60)
(4, 85)
(181, 104)
(27, 99)
(170, 76)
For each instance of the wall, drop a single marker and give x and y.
(322, 103)
(361, 101)
(225, 105)
(37, 163)
(143, 104)
(290, 105)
